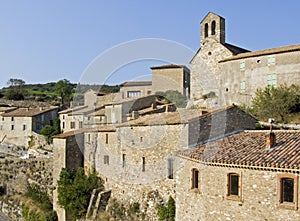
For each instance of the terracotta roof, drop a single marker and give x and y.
(235, 49)
(270, 51)
(169, 66)
(136, 83)
(28, 112)
(248, 148)
(104, 128)
(169, 118)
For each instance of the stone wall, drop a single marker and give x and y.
(119, 156)
(259, 195)
(15, 174)
(285, 68)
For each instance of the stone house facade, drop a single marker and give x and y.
(251, 174)
(234, 74)
(18, 124)
(130, 89)
(136, 159)
(171, 77)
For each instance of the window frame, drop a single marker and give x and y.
(281, 203)
(195, 185)
(229, 195)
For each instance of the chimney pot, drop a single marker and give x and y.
(270, 139)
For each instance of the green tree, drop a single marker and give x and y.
(15, 90)
(75, 189)
(175, 97)
(49, 131)
(167, 212)
(63, 88)
(276, 102)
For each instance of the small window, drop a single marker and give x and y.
(143, 164)
(141, 139)
(242, 65)
(272, 80)
(288, 191)
(206, 30)
(106, 138)
(89, 138)
(80, 124)
(1, 127)
(134, 93)
(106, 159)
(243, 86)
(123, 160)
(271, 60)
(170, 168)
(63, 125)
(24, 126)
(213, 28)
(12, 127)
(43, 117)
(233, 190)
(72, 125)
(12, 118)
(195, 178)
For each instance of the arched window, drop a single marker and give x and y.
(213, 28)
(206, 30)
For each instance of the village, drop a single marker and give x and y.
(208, 154)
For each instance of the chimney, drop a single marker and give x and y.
(270, 139)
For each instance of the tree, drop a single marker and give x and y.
(75, 189)
(15, 90)
(63, 89)
(175, 97)
(167, 212)
(49, 131)
(276, 102)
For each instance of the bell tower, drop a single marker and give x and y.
(212, 28)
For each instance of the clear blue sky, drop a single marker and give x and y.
(45, 41)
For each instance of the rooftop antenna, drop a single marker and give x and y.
(271, 121)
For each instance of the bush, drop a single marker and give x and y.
(167, 212)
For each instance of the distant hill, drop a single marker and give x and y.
(46, 92)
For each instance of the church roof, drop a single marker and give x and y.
(270, 51)
(248, 148)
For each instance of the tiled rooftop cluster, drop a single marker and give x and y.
(248, 148)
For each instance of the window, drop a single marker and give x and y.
(63, 125)
(141, 139)
(288, 192)
(1, 127)
(170, 168)
(143, 164)
(106, 159)
(242, 65)
(24, 126)
(106, 138)
(123, 160)
(134, 93)
(233, 186)
(12, 127)
(272, 80)
(243, 86)
(195, 178)
(12, 118)
(205, 30)
(89, 138)
(42, 117)
(271, 60)
(72, 125)
(213, 28)
(80, 124)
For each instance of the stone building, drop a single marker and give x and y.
(18, 124)
(136, 159)
(248, 175)
(130, 89)
(234, 74)
(171, 77)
